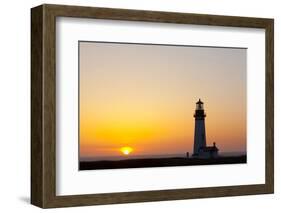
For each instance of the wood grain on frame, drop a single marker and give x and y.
(43, 105)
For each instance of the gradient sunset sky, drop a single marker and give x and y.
(143, 96)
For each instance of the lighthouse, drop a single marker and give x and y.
(200, 148)
(199, 132)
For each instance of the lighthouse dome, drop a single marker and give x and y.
(199, 102)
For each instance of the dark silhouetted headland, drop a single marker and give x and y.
(159, 162)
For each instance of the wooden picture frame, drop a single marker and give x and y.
(43, 105)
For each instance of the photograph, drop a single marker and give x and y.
(158, 105)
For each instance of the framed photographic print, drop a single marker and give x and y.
(137, 106)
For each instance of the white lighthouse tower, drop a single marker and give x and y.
(199, 134)
(200, 149)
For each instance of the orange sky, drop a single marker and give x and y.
(143, 96)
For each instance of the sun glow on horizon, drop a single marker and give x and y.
(126, 150)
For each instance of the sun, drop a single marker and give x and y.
(126, 150)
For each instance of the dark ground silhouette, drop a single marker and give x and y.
(159, 162)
